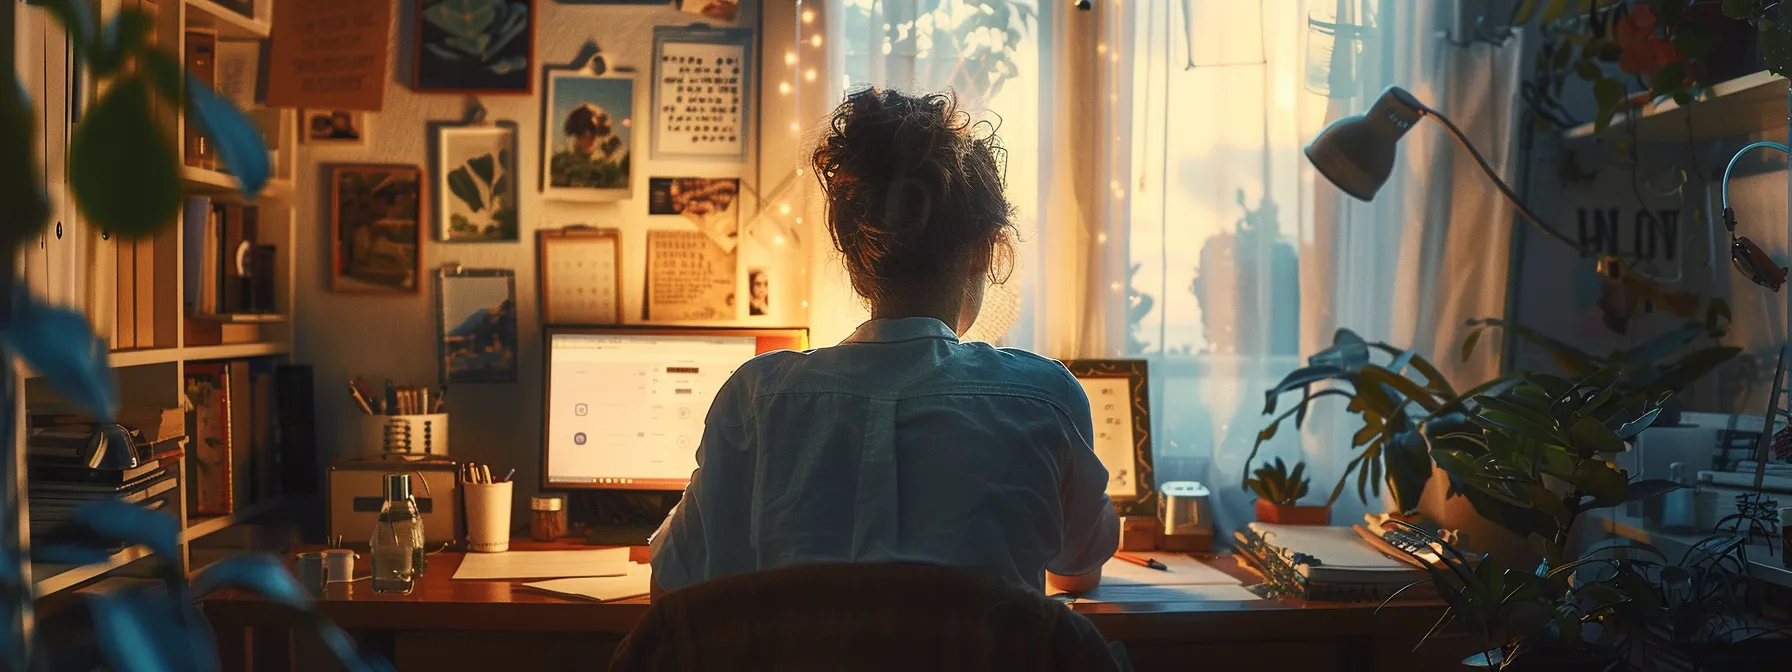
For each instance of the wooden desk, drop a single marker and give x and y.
(451, 625)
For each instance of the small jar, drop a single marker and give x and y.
(547, 518)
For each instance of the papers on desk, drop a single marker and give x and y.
(1184, 579)
(544, 564)
(634, 583)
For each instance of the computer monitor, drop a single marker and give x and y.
(624, 407)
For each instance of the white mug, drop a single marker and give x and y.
(488, 516)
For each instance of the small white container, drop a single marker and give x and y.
(488, 516)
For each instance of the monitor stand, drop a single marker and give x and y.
(619, 517)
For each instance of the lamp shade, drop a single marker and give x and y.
(1357, 152)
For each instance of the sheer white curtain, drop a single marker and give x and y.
(1246, 261)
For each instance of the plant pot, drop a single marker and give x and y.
(1292, 514)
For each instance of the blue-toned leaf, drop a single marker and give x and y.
(21, 185)
(482, 166)
(462, 17)
(265, 575)
(513, 25)
(123, 169)
(60, 344)
(145, 630)
(1635, 427)
(127, 34)
(509, 65)
(132, 524)
(237, 140)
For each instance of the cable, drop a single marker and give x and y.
(1506, 190)
(1726, 185)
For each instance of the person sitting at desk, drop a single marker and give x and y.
(901, 444)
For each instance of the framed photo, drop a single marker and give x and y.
(702, 93)
(587, 136)
(475, 47)
(709, 204)
(759, 292)
(1120, 401)
(476, 311)
(581, 275)
(376, 228)
(716, 10)
(473, 170)
(333, 127)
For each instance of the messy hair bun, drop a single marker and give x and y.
(914, 193)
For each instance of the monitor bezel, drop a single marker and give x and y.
(547, 379)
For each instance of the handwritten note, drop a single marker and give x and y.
(328, 54)
(689, 277)
(702, 100)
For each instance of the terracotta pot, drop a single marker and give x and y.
(1288, 514)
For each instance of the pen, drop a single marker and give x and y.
(391, 397)
(506, 478)
(359, 401)
(1142, 562)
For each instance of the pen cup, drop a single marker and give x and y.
(311, 572)
(488, 516)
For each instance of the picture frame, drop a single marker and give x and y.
(1120, 401)
(716, 122)
(444, 60)
(587, 135)
(376, 227)
(713, 10)
(580, 275)
(346, 128)
(475, 181)
(476, 322)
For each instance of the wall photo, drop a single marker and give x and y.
(376, 228)
(588, 135)
(709, 203)
(474, 173)
(475, 46)
(477, 316)
(719, 10)
(333, 127)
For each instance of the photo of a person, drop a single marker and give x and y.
(588, 136)
(759, 291)
(333, 126)
(720, 10)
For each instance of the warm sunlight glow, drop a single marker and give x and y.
(810, 75)
(790, 58)
(784, 88)
(815, 41)
(808, 16)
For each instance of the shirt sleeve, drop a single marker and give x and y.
(679, 549)
(1091, 528)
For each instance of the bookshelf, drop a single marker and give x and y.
(136, 292)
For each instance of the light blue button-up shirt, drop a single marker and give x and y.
(898, 445)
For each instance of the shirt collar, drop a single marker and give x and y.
(901, 329)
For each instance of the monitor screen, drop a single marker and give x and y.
(625, 407)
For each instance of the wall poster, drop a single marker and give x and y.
(702, 86)
(689, 277)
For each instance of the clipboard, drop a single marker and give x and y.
(580, 268)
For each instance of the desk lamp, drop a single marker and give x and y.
(1356, 153)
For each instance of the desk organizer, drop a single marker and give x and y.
(419, 435)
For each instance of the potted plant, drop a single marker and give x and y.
(1279, 492)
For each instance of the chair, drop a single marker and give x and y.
(860, 617)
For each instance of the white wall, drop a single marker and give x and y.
(344, 335)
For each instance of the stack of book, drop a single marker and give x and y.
(1328, 564)
(61, 482)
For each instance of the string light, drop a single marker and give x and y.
(809, 76)
(790, 58)
(783, 208)
(808, 16)
(784, 88)
(815, 41)
(778, 240)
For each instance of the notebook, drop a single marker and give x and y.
(635, 582)
(1341, 556)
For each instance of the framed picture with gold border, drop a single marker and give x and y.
(1120, 401)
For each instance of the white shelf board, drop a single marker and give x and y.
(1746, 105)
(49, 578)
(203, 182)
(234, 351)
(230, 25)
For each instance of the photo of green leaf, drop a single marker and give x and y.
(476, 199)
(475, 46)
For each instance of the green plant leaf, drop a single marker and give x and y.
(462, 18)
(1408, 459)
(1549, 503)
(1515, 423)
(21, 185)
(130, 198)
(1606, 92)
(1670, 77)
(1607, 486)
(1592, 436)
(1375, 375)
(460, 182)
(125, 36)
(482, 166)
(1739, 9)
(1635, 427)
(1717, 318)
(1468, 343)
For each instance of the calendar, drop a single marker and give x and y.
(580, 270)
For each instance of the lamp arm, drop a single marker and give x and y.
(1506, 190)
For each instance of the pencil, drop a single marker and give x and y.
(1142, 562)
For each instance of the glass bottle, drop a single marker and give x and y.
(397, 544)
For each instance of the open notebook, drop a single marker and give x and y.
(1184, 579)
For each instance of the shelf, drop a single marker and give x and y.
(239, 318)
(1761, 566)
(47, 578)
(144, 357)
(230, 25)
(234, 351)
(1746, 105)
(198, 528)
(204, 182)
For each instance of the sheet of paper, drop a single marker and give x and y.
(1182, 570)
(1139, 594)
(634, 583)
(544, 564)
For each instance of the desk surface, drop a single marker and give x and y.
(441, 603)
